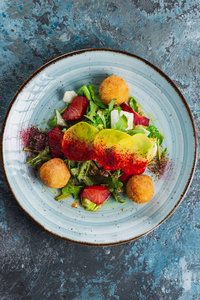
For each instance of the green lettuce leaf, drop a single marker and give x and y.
(133, 104)
(154, 133)
(117, 197)
(92, 111)
(84, 89)
(53, 122)
(94, 92)
(135, 131)
(42, 156)
(70, 189)
(122, 123)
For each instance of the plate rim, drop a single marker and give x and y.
(66, 55)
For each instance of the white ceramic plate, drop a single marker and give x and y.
(34, 104)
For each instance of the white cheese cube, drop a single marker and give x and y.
(115, 115)
(69, 96)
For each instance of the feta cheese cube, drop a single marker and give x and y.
(69, 96)
(115, 115)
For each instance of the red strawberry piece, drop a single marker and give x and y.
(138, 119)
(125, 177)
(77, 109)
(135, 167)
(126, 107)
(55, 137)
(96, 194)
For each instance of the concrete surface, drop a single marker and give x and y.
(165, 263)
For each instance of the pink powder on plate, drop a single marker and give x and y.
(24, 136)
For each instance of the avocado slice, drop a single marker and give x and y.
(78, 142)
(118, 150)
(105, 143)
(138, 143)
(134, 153)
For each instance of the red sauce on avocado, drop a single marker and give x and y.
(77, 150)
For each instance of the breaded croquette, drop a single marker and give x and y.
(140, 188)
(114, 87)
(54, 173)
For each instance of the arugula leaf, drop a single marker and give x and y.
(117, 185)
(106, 113)
(133, 104)
(71, 163)
(85, 91)
(158, 150)
(42, 156)
(75, 171)
(113, 180)
(92, 110)
(100, 119)
(60, 121)
(122, 123)
(118, 107)
(154, 133)
(53, 122)
(94, 92)
(111, 105)
(88, 181)
(87, 204)
(74, 166)
(80, 171)
(135, 131)
(70, 189)
(63, 110)
(82, 176)
(164, 153)
(116, 196)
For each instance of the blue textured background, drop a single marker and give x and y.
(165, 263)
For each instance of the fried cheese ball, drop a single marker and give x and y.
(140, 188)
(54, 173)
(114, 87)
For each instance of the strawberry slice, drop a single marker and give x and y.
(125, 177)
(77, 109)
(55, 137)
(135, 167)
(126, 107)
(96, 194)
(138, 119)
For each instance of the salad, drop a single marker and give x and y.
(98, 146)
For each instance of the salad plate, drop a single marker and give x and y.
(34, 105)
